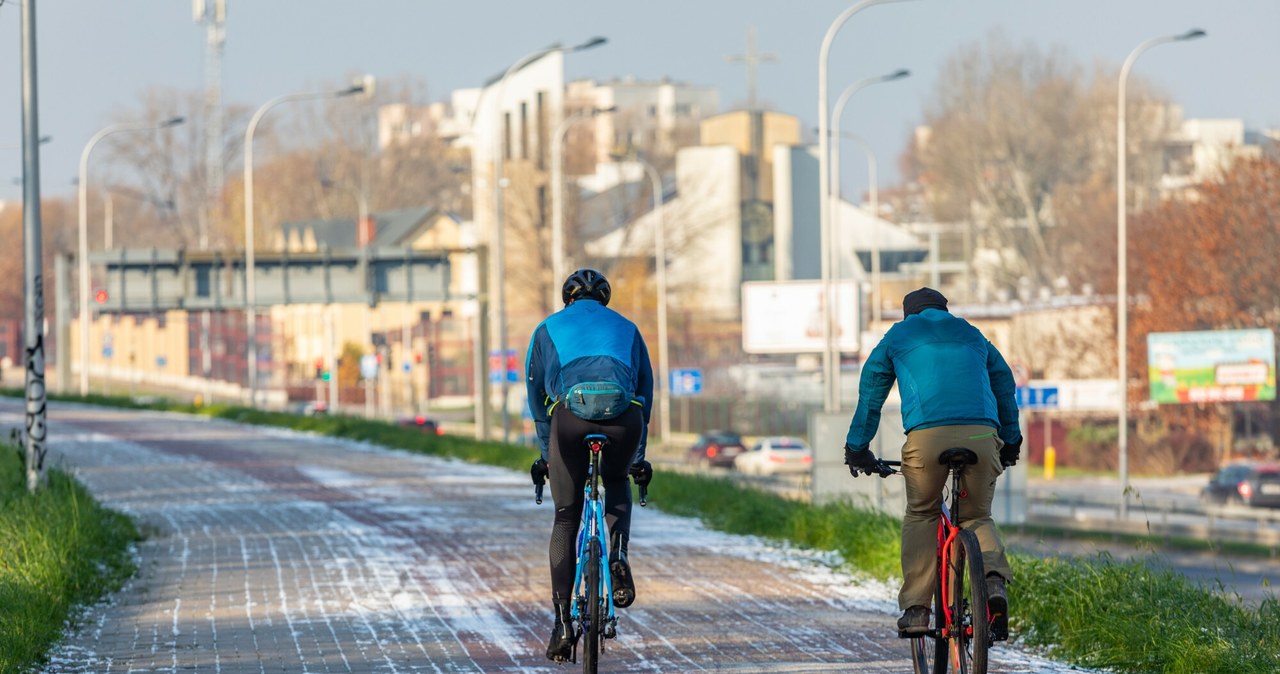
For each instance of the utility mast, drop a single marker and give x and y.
(213, 14)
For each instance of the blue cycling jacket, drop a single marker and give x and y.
(948, 374)
(586, 342)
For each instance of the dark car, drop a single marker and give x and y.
(1250, 484)
(716, 448)
(423, 424)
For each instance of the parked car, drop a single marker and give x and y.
(423, 424)
(771, 456)
(311, 408)
(1244, 483)
(716, 448)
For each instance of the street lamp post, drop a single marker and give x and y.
(833, 250)
(250, 288)
(84, 232)
(1122, 289)
(660, 266)
(824, 189)
(498, 258)
(557, 195)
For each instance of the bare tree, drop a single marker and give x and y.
(1018, 140)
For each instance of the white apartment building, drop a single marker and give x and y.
(660, 117)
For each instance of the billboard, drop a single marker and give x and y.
(1211, 366)
(786, 317)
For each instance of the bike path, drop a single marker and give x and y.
(273, 551)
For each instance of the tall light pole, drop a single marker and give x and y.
(84, 231)
(250, 288)
(660, 265)
(834, 249)
(557, 195)
(497, 257)
(824, 189)
(1122, 282)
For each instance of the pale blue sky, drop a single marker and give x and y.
(96, 57)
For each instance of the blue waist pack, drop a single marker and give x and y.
(596, 400)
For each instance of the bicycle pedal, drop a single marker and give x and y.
(610, 631)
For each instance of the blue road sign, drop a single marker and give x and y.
(686, 382)
(500, 361)
(1037, 397)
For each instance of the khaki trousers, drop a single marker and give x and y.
(925, 481)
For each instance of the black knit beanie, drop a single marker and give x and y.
(924, 298)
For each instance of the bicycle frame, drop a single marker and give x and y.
(593, 527)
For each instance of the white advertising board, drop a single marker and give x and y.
(787, 317)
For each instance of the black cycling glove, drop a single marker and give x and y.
(538, 472)
(642, 473)
(861, 461)
(1010, 453)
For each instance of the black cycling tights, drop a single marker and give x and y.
(567, 463)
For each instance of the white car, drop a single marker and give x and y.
(774, 455)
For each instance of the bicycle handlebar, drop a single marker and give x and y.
(883, 468)
(644, 495)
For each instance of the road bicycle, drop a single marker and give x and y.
(962, 630)
(592, 610)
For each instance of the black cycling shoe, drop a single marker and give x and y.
(997, 607)
(560, 648)
(624, 588)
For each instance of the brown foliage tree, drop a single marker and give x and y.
(1207, 263)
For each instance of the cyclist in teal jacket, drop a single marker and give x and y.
(588, 371)
(957, 391)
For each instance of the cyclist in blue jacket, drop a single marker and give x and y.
(957, 391)
(588, 371)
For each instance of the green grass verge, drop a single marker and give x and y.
(1095, 612)
(59, 550)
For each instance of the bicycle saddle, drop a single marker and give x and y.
(958, 456)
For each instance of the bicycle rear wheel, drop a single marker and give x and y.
(969, 635)
(594, 610)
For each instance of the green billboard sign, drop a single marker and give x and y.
(1211, 366)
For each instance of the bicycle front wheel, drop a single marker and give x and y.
(969, 634)
(594, 610)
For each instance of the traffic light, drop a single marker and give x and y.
(100, 297)
(326, 375)
(320, 371)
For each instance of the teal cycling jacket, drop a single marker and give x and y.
(948, 374)
(585, 342)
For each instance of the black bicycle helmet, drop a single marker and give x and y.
(586, 283)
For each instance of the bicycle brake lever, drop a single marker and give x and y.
(644, 496)
(537, 494)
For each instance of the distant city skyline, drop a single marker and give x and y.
(97, 59)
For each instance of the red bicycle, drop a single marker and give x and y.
(962, 629)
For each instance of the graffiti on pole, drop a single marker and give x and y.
(37, 401)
